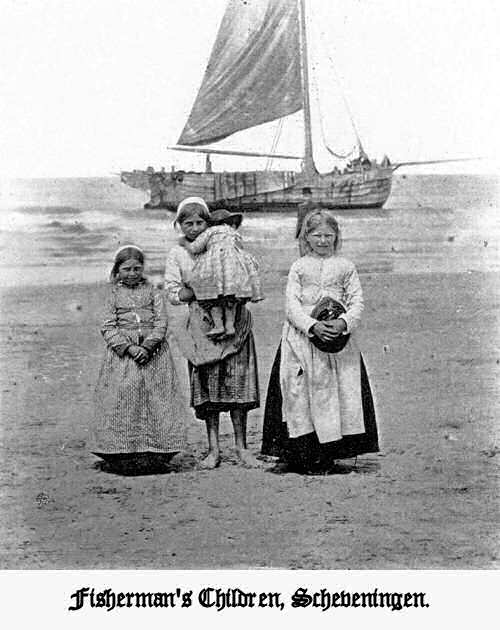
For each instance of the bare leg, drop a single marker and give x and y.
(216, 313)
(229, 312)
(239, 419)
(212, 460)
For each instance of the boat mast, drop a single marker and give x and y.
(309, 168)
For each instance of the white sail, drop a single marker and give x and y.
(253, 75)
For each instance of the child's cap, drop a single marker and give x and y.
(191, 201)
(124, 247)
(224, 216)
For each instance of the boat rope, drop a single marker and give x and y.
(276, 139)
(339, 156)
(344, 99)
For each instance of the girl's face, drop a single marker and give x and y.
(321, 239)
(130, 272)
(193, 226)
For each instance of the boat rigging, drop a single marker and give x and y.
(258, 71)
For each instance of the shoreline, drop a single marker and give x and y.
(156, 277)
(427, 500)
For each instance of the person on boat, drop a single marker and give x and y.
(140, 415)
(303, 209)
(319, 406)
(223, 274)
(222, 373)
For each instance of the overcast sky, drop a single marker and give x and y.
(90, 87)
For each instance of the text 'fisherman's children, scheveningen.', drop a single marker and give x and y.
(221, 599)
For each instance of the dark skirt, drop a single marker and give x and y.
(232, 383)
(306, 451)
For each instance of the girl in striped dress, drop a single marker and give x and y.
(139, 408)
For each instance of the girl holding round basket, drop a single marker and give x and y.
(319, 406)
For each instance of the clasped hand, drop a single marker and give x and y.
(328, 330)
(139, 354)
(186, 294)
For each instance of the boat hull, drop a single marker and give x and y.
(255, 191)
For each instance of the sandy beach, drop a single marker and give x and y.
(429, 499)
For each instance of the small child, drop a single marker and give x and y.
(139, 407)
(223, 273)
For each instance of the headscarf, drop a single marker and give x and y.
(120, 249)
(195, 201)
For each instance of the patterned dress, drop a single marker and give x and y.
(138, 408)
(230, 382)
(222, 267)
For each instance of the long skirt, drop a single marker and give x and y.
(139, 409)
(305, 451)
(229, 384)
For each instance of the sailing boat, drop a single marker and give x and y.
(257, 73)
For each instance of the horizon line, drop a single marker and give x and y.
(492, 173)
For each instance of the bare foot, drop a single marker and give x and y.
(216, 332)
(246, 458)
(210, 462)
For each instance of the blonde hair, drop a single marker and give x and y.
(310, 222)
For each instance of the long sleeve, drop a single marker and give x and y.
(173, 281)
(159, 323)
(294, 311)
(200, 243)
(354, 299)
(110, 330)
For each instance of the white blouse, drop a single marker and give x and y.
(321, 391)
(178, 267)
(314, 277)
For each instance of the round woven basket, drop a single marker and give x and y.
(325, 310)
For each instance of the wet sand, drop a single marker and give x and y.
(429, 499)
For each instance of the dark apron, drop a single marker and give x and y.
(306, 449)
